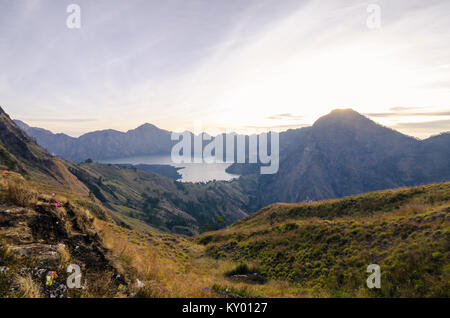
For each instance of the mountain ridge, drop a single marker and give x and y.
(146, 139)
(342, 153)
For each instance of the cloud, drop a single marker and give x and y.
(439, 84)
(228, 63)
(285, 116)
(401, 108)
(61, 120)
(408, 114)
(441, 125)
(276, 127)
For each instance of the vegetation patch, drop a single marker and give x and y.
(410, 242)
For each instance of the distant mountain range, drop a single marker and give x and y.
(343, 153)
(105, 144)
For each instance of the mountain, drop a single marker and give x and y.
(18, 152)
(105, 144)
(324, 248)
(146, 140)
(345, 153)
(109, 220)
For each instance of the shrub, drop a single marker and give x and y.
(242, 269)
(96, 209)
(20, 194)
(152, 289)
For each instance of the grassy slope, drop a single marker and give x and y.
(327, 246)
(18, 152)
(167, 264)
(135, 195)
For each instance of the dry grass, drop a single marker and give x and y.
(3, 183)
(64, 255)
(27, 287)
(170, 266)
(146, 260)
(19, 193)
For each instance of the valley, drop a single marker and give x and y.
(135, 233)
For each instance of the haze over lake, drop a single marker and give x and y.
(190, 172)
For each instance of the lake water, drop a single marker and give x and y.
(190, 172)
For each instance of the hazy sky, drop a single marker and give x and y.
(244, 65)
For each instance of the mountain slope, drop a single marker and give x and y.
(54, 143)
(18, 152)
(327, 246)
(41, 232)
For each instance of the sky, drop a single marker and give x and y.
(233, 65)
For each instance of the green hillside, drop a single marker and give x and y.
(185, 208)
(326, 246)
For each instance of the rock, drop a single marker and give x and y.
(254, 278)
(45, 253)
